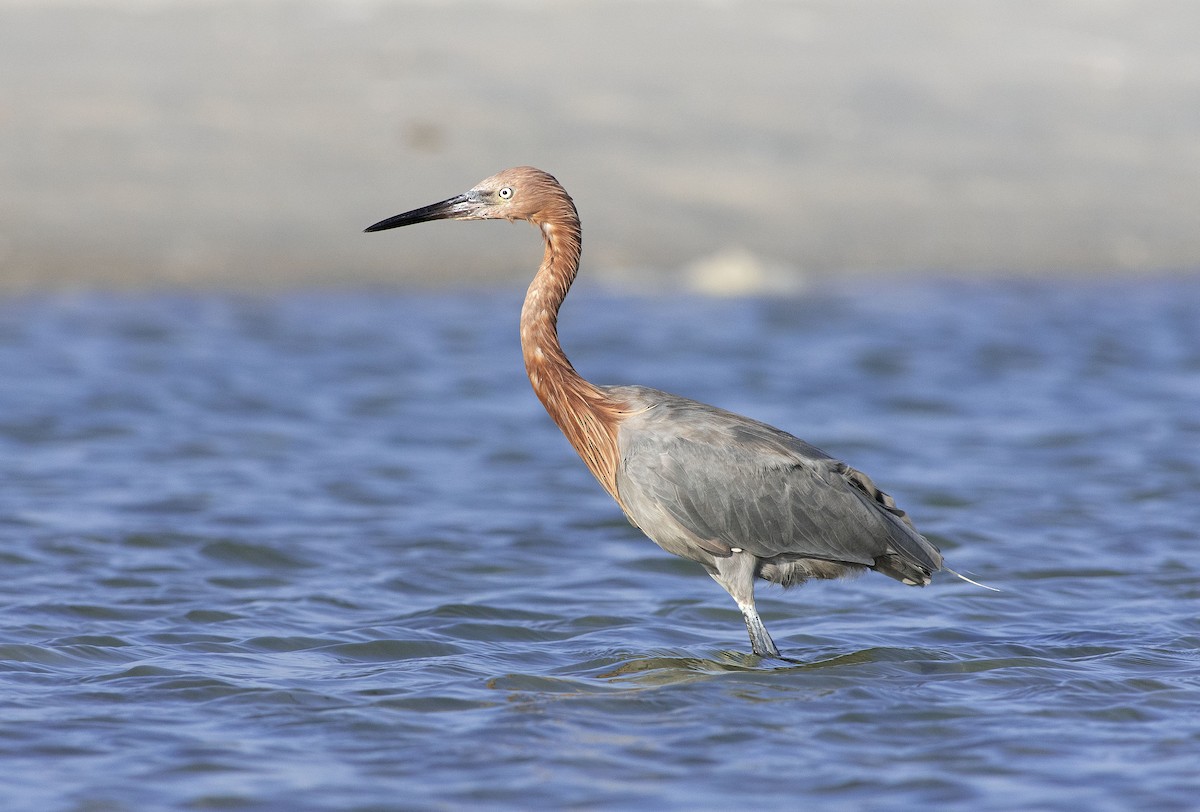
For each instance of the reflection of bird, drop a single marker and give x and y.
(743, 499)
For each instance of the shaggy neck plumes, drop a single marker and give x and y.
(587, 416)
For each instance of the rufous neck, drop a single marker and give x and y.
(544, 356)
(585, 413)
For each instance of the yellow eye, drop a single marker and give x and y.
(505, 193)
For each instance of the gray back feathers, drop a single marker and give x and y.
(703, 482)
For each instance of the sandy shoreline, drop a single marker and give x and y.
(245, 145)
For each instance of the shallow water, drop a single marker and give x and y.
(325, 551)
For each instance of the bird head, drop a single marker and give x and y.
(520, 193)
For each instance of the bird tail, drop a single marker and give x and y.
(902, 569)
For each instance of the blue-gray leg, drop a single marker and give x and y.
(735, 574)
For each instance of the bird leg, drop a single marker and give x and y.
(760, 642)
(735, 574)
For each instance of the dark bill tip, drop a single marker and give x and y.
(454, 207)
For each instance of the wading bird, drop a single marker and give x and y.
(741, 498)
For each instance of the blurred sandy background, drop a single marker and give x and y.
(245, 144)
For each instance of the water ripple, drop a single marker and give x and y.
(326, 552)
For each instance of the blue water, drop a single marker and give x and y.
(325, 551)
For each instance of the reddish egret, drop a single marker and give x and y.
(741, 498)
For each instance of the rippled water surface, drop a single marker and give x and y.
(325, 551)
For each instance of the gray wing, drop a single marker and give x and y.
(729, 481)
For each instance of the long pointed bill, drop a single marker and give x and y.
(456, 207)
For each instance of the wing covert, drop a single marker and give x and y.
(731, 482)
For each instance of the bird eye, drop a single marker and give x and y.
(505, 193)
